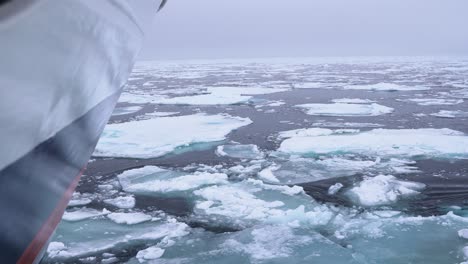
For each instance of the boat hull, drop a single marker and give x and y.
(63, 66)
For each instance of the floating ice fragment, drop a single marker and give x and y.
(267, 174)
(149, 254)
(386, 87)
(181, 183)
(160, 136)
(161, 114)
(450, 114)
(82, 214)
(345, 124)
(240, 151)
(79, 199)
(435, 101)
(129, 218)
(123, 202)
(463, 233)
(335, 188)
(98, 236)
(54, 248)
(125, 110)
(352, 101)
(340, 109)
(383, 190)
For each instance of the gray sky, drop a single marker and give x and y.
(205, 29)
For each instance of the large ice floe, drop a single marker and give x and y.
(451, 114)
(435, 101)
(378, 142)
(152, 179)
(219, 96)
(344, 109)
(385, 87)
(97, 236)
(159, 136)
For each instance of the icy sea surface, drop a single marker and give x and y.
(334, 160)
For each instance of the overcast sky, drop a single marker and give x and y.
(205, 29)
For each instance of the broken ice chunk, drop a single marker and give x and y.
(463, 233)
(240, 151)
(149, 254)
(386, 87)
(152, 179)
(340, 109)
(82, 214)
(123, 202)
(352, 101)
(383, 190)
(129, 218)
(435, 101)
(450, 114)
(335, 188)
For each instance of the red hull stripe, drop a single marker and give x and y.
(42, 237)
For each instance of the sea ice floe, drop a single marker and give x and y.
(150, 253)
(249, 202)
(94, 237)
(159, 136)
(79, 199)
(294, 170)
(161, 114)
(239, 151)
(341, 109)
(352, 101)
(385, 87)
(129, 218)
(450, 114)
(125, 110)
(379, 142)
(435, 101)
(83, 214)
(219, 96)
(151, 179)
(310, 85)
(463, 233)
(383, 190)
(123, 202)
(345, 124)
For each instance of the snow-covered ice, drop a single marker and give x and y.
(151, 179)
(385, 87)
(383, 190)
(435, 101)
(123, 202)
(124, 110)
(159, 136)
(83, 214)
(129, 218)
(352, 101)
(220, 96)
(150, 253)
(240, 151)
(380, 142)
(450, 114)
(341, 109)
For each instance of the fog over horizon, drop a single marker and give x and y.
(217, 29)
